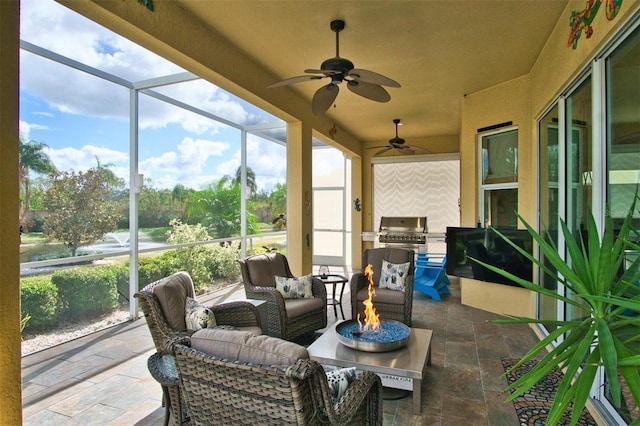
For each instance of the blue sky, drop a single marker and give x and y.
(79, 116)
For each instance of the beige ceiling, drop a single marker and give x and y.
(437, 50)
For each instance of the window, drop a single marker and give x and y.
(622, 71)
(549, 201)
(499, 178)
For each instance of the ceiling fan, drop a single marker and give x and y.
(397, 143)
(361, 82)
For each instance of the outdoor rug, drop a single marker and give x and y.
(533, 406)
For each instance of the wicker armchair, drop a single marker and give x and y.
(163, 304)
(223, 391)
(389, 304)
(288, 319)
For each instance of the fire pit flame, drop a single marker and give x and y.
(374, 335)
(371, 318)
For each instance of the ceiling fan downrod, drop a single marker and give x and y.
(337, 26)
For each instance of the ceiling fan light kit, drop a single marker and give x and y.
(365, 83)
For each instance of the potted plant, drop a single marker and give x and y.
(608, 335)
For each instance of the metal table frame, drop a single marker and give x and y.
(335, 280)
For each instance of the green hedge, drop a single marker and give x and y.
(39, 300)
(153, 268)
(86, 291)
(122, 282)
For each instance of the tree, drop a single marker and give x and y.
(278, 199)
(218, 207)
(107, 174)
(251, 180)
(79, 212)
(154, 206)
(179, 198)
(32, 158)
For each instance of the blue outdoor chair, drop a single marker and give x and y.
(430, 275)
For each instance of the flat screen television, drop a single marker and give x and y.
(485, 245)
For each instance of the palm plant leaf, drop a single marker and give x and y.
(606, 336)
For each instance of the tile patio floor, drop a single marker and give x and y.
(102, 379)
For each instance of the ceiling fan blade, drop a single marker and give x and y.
(317, 71)
(382, 151)
(323, 98)
(419, 149)
(374, 92)
(294, 80)
(372, 77)
(405, 150)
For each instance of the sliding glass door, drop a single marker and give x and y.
(589, 159)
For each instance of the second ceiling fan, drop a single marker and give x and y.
(361, 82)
(397, 143)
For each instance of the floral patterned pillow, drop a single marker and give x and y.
(198, 316)
(339, 380)
(393, 276)
(295, 288)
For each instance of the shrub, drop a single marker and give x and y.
(86, 291)
(153, 268)
(122, 282)
(225, 260)
(195, 260)
(39, 301)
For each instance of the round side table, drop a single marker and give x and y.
(334, 280)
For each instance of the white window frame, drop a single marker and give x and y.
(482, 187)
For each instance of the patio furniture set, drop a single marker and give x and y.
(221, 365)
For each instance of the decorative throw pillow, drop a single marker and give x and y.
(393, 276)
(338, 381)
(198, 316)
(295, 288)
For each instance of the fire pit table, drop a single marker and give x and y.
(401, 368)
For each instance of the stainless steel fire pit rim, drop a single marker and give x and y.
(372, 346)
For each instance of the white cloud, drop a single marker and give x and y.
(43, 114)
(82, 159)
(266, 159)
(25, 129)
(187, 165)
(199, 94)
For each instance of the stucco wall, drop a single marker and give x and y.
(521, 101)
(500, 104)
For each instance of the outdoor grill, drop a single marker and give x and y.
(403, 232)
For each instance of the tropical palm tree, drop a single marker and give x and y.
(278, 199)
(251, 180)
(179, 198)
(32, 158)
(107, 174)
